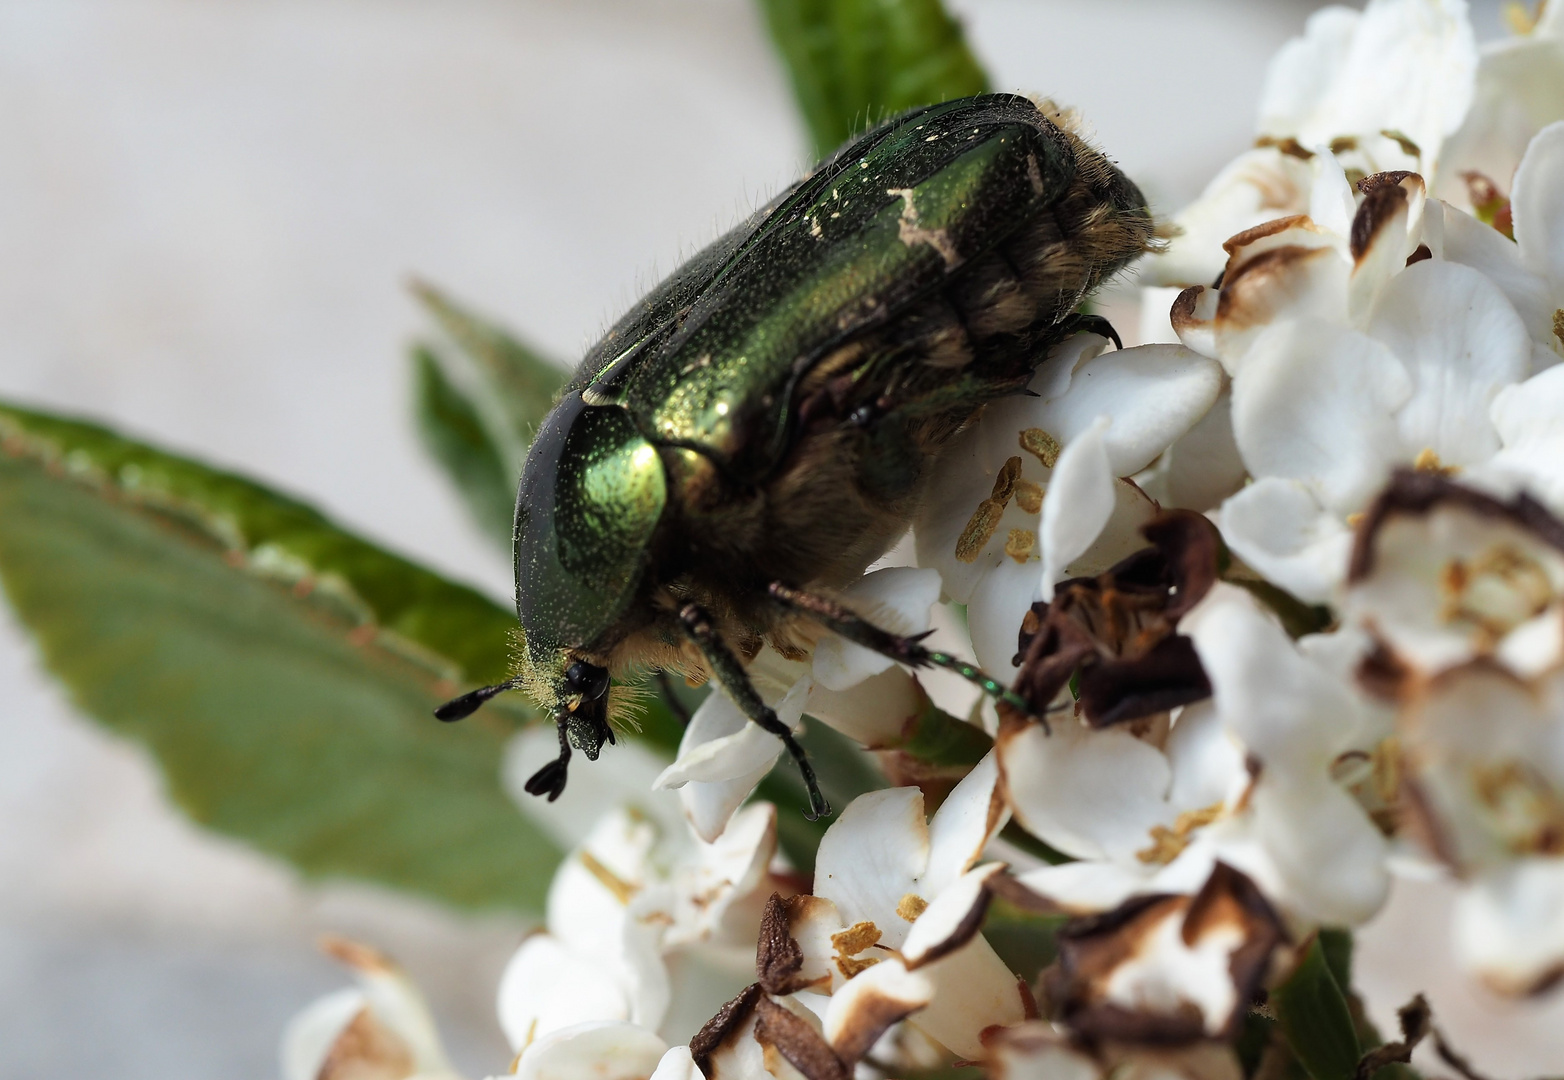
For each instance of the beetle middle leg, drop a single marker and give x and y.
(906, 650)
(727, 670)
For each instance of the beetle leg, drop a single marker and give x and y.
(550, 780)
(904, 650)
(730, 673)
(1091, 324)
(467, 704)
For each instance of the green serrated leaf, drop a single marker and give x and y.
(1313, 1013)
(855, 62)
(479, 396)
(281, 670)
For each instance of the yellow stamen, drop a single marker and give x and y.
(1020, 543)
(855, 939)
(1166, 843)
(1029, 496)
(980, 529)
(911, 906)
(611, 881)
(1041, 445)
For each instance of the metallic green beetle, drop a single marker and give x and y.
(761, 427)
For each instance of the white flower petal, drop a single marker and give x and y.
(973, 992)
(1331, 202)
(872, 856)
(1509, 925)
(1485, 249)
(1323, 858)
(310, 1036)
(1461, 342)
(1255, 187)
(869, 1003)
(1204, 466)
(994, 614)
(952, 919)
(1529, 418)
(1279, 528)
(1151, 395)
(602, 1051)
(1537, 207)
(1289, 712)
(546, 987)
(677, 1064)
(896, 599)
(1315, 402)
(1289, 269)
(1087, 886)
(1091, 794)
(722, 744)
(1078, 504)
(1407, 66)
(709, 806)
(874, 712)
(963, 825)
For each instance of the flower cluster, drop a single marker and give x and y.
(1283, 597)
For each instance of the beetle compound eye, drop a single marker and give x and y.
(588, 680)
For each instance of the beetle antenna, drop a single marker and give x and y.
(468, 703)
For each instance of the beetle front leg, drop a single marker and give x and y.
(727, 670)
(904, 650)
(550, 780)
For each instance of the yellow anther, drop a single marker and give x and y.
(1020, 543)
(1041, 445)
(1029, 496)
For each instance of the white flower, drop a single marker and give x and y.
(1030, 493)
(1465, 595)
(724, 754)
(1405, 67)
(628, 906)
(895, 891)
(1529, 271)
(1248, 779)
(1519, 91)
(604, 1051)
(381, 1028)
(1347, 362)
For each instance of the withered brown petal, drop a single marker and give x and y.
(716, 1030)
(1415, 1018)
(799, 1043)
(1092, 949)
(1117, 691)
(1229, 895)
(1380, 204)
(1416, 493)
(1191, 545)
(778, 957)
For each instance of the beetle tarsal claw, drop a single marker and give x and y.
(550, 780)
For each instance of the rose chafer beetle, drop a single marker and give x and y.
(762, 426)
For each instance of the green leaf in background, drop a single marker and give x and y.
(281, 670)
(855, 62)
(479, 395)
(1313, 1013)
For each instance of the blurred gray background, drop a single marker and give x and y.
(208, 210)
